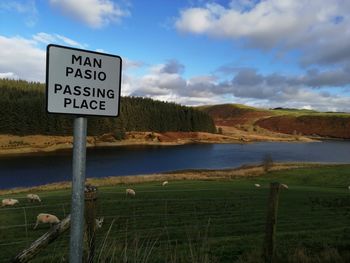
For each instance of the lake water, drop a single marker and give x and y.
(37, 169)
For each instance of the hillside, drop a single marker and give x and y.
(281, 121)
(22, 107)
(234, 114)
(25, 127)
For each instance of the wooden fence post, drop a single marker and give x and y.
(90, 221)
(25, 222)
(271, 220)
(42, 242)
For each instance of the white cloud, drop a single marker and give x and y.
(314, 100)
(25, 58)
(46, 38)
(22, 57)
(307, 107)
(8, 75)
(247, 86)
(132, 64)
(319, 28)
(162, 81)
(69, 41)
(195, 20)
(95, 13)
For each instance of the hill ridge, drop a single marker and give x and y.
(282, 120)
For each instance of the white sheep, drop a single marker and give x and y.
(130, 191)
(284, 186)
(257, 185)
(165, 183)
(9, 202)
(349, 187)
(99, 222)
(46, 219)
(33, 198)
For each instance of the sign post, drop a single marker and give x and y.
(78, 186)
(81, 83)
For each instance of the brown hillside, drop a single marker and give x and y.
(280, 121)
(235, 114)
(323, 126)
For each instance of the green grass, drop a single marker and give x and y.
(233, 105)
(282, 111)
(304, 112)
(201, 221)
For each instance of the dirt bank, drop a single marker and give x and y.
(12, 145)
(247, 133)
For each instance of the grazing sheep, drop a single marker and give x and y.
(46, 219)
(257, 185)
(349, 187)
(284, 186)
(33, 198)
(99, 222)
(165, 183)
(9, 202)
(130, 191)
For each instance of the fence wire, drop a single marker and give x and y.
(232, 214)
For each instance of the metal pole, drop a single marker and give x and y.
(78, 185)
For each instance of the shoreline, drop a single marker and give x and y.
(14, 145)
(252, 170)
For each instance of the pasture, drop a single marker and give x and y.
(200, 220)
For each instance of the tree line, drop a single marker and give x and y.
(23, 112)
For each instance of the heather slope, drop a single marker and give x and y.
(281, 121)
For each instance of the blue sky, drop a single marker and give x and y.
(271, 53)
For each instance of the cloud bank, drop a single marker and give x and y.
(23, 58)
(319, 29)
(246, 85)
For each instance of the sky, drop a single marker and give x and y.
(263, 53)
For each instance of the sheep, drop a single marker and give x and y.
(46, 219)
(130, 191)
(349, 187)
(99, 222)
(257, 185)
(33, 198)
(284, 186)
(9, 202)
(165, 183)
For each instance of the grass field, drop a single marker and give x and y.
(201, 221)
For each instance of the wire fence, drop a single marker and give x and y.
(232, 214)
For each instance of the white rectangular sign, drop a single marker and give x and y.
(82, 82)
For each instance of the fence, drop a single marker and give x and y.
(188, 216)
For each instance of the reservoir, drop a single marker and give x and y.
(43, 168)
